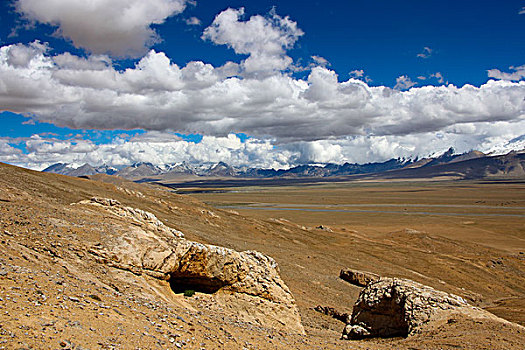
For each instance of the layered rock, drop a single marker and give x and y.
(248, 279)
(398, 307)
(144, 218)
(358, 278)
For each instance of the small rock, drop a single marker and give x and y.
(355, 332)
(95, 297)
(324, 228)
(358, 278)
(330, 311)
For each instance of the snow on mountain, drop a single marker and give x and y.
(517, 144)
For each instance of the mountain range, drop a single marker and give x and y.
(473, 164)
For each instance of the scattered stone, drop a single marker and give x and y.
(411, 231)
(95, 297)
(358, 278)
(332, 312)
(355, 332)
(324, 228)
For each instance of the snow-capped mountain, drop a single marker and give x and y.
(516, 144)
(469, 164)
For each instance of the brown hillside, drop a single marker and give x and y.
(55, 293)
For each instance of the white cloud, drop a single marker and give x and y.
(157, 94)
(264, 39)
(193, 21)
(68, 61)
(522, 11)
(162, 148)
(317, 119)
(155, 147)
(426, 53)
(517, 73)
(358, 73)
(20, 56)
(117, 27)
(438, 76)
(404, 82)
(320, 61)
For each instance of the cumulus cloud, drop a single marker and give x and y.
(522, 11)
(404, 82)
(158, 95)
(517, 73)
(161, 148)
(320, 61)
(358, 73)
(68, 61)
(264, 39)
(426, 53)
(193, 21)
(118, 27)
(317, 119)
(438, 76)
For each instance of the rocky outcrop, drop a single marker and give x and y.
(398, 307)
(358, 278)
(143, 218)
(249, 280)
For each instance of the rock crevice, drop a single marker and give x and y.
(249, 279)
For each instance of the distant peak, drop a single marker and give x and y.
(148, 164)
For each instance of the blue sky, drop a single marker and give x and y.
(297, 82)
(381, 37)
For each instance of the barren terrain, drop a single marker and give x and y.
(465, 238)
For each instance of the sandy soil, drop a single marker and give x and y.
(53, 294)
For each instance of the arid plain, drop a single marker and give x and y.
(61, 285)
(465, 237)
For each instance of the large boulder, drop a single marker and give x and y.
(248, 280)
(399, 307)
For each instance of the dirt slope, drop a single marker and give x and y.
(55, 294)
